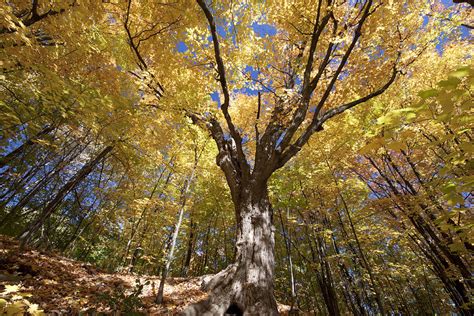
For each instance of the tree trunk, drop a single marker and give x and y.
(373, 283)
(246, 287)
(205, 246)
(170, 256)
(4, 160)
(447, 265)
(190, 249)
(52, 205)
(287, 237)
(26, 198)
(136, 226)
(137, 253)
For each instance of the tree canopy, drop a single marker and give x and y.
(317, 153)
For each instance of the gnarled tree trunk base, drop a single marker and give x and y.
(230, 294)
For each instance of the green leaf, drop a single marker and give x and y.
(428, 93)
(460, 73)
(451, 82)
(457, 247)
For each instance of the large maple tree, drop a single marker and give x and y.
(326, 58)
(262, 79)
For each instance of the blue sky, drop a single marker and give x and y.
(262, 30)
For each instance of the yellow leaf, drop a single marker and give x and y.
(372, 146)
(11, 289)
(34, 310)
(396, 146)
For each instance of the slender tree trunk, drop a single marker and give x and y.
(137, 253)
(350, 289)
(135, 227)
(52, 205)
(324, 275)
(26, 198)
(170, 257)
(190, 250)
(16, 186)
(4, 160)
(373, 283)
(71, 242)
(205, 246)
(286, 236)
(79, 229)
(430, 245)
(165, 245)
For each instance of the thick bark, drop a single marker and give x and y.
(248, 283)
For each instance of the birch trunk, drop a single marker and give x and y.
(170, 257)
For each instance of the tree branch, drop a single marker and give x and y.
(34, 16)
(223, 82)
(357, 34)
(217, 55)
(340, 109)
(471, 2)
(141, 62)
(274, 130)
(318, 29)
(300, 113)
(316, 125)
(226, 159)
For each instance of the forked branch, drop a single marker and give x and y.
(316, 125)
(225, 90)
(142, 64)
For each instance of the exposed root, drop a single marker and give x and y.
(229, 290)
(225, 276)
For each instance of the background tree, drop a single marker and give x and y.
(291, 121)
(371, 217)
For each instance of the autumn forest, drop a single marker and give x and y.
(236, 157)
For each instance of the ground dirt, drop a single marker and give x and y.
(61, 286)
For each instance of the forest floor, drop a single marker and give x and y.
(35, 281)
